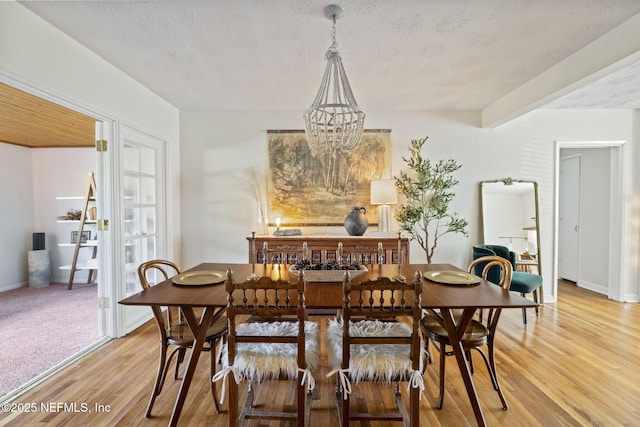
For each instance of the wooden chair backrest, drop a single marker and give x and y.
(382, 299)
(165, 269)
(494, 261)
(506, 271)
(360, 254)
(284, 254)
(265, 298)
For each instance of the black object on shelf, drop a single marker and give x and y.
(38, 241)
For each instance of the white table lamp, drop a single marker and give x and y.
(384, 194)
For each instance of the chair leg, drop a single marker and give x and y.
(414, 407)
(494, 373)
(535, 299)
(307, 407)
(157, 386)
(470, 361)
(443, 356)
(339, 399)
(179, 360)
(233, 401)
(301, 397)
(398, 397)
(524, 313)
(163, 370)
(346, 415)
(248, 404)
(490, 368)
(427, 349)
(223, 341)
(399, 405)
(214, 361)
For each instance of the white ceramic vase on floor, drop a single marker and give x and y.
(39, 268)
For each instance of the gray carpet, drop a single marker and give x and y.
(41, 327)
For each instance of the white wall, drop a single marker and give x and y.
(217, 147)
(60, 172)
(16, 215)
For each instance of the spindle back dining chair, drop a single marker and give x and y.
(270, 349)
(377, 339)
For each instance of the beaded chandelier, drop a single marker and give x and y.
(334, 122)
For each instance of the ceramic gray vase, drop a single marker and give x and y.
(356, 222)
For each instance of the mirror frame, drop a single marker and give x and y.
(511, 181)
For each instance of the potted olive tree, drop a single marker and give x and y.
(427, 189)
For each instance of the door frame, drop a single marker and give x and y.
(616, 210)
(107, 315)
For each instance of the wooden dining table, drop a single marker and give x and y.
(328, 295)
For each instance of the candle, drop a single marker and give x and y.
(253, 275)
(278, 222)
(253, 247)
(399, 276)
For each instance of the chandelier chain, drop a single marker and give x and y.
(334, 43)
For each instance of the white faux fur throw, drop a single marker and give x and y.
(265, 361)
(379, 362)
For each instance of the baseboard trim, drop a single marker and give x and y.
(4, 288)
(601, 289)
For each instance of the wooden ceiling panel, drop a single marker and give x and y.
(30, 121)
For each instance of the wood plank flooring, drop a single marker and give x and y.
(576, 365)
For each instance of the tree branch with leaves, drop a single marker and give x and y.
(427, 190)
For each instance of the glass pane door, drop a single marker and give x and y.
(143, 207)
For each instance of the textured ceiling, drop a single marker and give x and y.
(616, 90)
(403, 54)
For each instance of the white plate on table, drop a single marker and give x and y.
(452, 277)
(199, 278)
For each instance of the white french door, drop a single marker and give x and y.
(143, 227)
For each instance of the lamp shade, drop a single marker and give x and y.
(383, 192)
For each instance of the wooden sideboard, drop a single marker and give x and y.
(321, 249)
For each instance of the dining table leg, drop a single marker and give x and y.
(456, 332)
(199, 330)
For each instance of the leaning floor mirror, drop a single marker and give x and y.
(510, 218)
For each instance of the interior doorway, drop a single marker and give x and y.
(614, 225)
(49, 116)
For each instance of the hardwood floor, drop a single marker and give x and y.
(576, 365)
